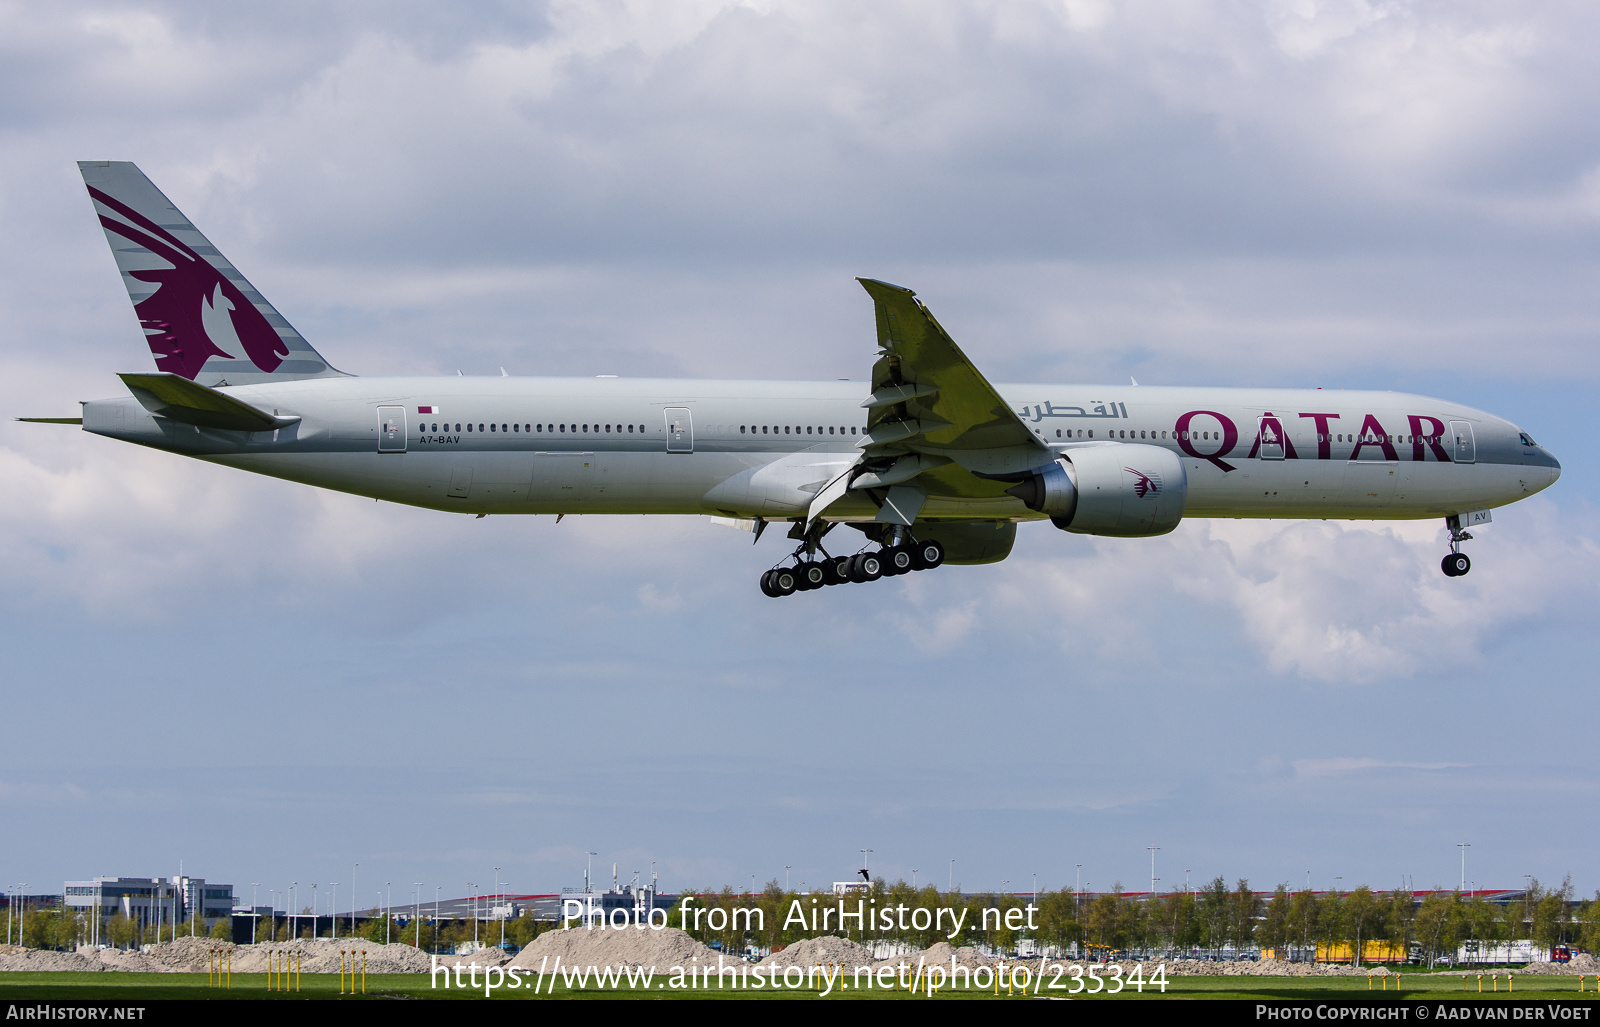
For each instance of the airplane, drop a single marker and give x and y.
(931, 462)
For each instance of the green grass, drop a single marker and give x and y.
(135, 987)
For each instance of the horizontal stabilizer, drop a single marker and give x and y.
(179, 399)
(52, 420)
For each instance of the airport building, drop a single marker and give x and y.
(151, 900)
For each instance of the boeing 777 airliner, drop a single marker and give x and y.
(930, 462)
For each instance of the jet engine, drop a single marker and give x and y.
(1122, 490)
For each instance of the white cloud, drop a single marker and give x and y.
(1348, 603)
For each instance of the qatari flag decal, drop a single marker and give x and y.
(427, 410)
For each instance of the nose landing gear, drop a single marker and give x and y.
(1456, 562)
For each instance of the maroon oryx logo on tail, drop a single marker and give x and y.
(188, 295)
(1145, 486)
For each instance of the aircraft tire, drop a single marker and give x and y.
(838, 570)
(865, 567)
(898, 560)
(1456, 564)
(785, 581)
(767, 587)
(925, 556)
(811, 574)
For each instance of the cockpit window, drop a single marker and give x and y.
(1527, 440)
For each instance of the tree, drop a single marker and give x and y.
(1058, 918)
(122, 930)
(1363, 919)
(1435, 924)
(1550, 916)
(1399, 916)
(1244, 906)
(1273, 931)
(1480, 925)
(1214, 915)
(1302, 920)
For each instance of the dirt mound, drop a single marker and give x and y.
(321, 956)
(15, 957)
(826, 949)
(940, 954)
(665, 948)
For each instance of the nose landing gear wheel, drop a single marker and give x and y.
(1456, 564)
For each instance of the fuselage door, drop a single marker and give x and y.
(391, 429)
(680, 430)
(1465, 450)
(1270, 439)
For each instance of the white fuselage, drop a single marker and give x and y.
(763, 448)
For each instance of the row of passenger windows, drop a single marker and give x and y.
(796, 429)
(607, 429)
(433, 428)
(1207, 436)
(785, 429)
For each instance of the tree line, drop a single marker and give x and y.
(1211, 921)
(1208, 921)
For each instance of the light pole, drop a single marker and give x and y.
(388, 908)
(949, 884)
(1153, 850)
(353, 894)
(786, 869)
(255, 915)
(333, 910)
(416, 905)
(1463, 846)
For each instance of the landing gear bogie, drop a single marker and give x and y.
(901, 557)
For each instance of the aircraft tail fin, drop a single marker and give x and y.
(202, 319)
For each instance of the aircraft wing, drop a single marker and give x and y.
(933, 418)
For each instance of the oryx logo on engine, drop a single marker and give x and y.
(1145, 486)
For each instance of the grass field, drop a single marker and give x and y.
(136, 987)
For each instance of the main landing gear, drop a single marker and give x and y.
(1455, 562)
(901, 556)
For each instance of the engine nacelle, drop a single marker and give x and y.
(1123, 490)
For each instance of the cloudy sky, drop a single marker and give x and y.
(270, 683)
